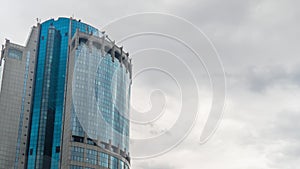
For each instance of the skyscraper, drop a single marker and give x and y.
(79, 100)
(15, 100)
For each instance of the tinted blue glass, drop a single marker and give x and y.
(112, 92)
(77, 154)
(49, 91)
(121, 164)
(103, 159)
(15, 54)
(108, 120)
(91, 156)
(113, 162)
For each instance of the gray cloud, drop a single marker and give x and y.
(258, 42)
(260, 78)
(151, 164)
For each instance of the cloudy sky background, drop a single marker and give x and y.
(258, 43)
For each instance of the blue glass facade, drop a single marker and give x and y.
(101, 91)
(112, 88)
(49, 91)
(99, 104)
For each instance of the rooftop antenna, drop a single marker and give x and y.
(38, 20)
(108, 38)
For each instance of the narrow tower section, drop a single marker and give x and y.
(16, 100)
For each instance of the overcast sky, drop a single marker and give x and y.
(258, 43)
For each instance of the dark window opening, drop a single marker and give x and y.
(91, 142)
(128, 159)
(117, 55)
(82, 40)
(57, 149)
(77, 139)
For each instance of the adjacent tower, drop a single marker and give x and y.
(77, 96)
(16, 100)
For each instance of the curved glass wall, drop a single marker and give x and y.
(100, 93)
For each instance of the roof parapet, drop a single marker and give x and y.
(105, 43)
